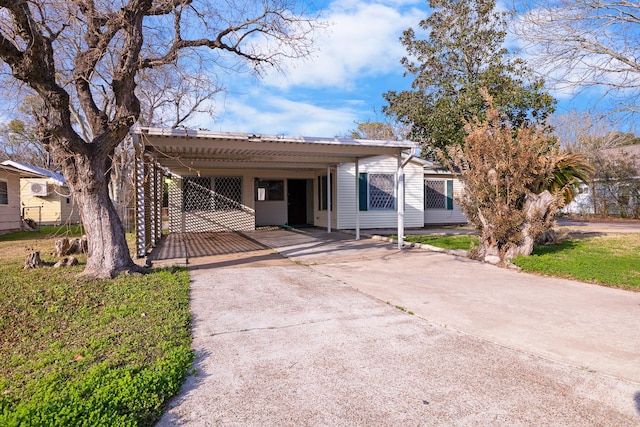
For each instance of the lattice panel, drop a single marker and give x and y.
(434, 194)
(197, 194)
(381, 191)
(203, 204)
(227, 193)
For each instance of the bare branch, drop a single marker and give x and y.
(578, 44)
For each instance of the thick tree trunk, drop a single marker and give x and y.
(536, 210)
(107, 253)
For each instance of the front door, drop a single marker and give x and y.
(297, 201)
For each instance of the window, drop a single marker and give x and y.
(322, 192)
(381, 191)
(438, 194)
(4, 193)
(68, 200)
(269, 190)
(377, 191)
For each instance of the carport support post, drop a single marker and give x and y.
(357, 199)
(329, 199)
(152, 203)
(400, 201)
(141, 237)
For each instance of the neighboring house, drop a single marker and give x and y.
(9, 199)
(441, 189)
(607, 191)
(582, 203)
(223, 181)
(44, 196)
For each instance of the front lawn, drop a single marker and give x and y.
(450, 241)
(609, 259)
(75, 351)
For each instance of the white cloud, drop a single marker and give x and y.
(264, 113)
(362, 41)
(359, 55)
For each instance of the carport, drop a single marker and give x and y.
(164, 155)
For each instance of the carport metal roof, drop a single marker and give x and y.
(186, 151)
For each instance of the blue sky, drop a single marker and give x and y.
(357, 60)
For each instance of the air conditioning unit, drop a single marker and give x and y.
(39, 189)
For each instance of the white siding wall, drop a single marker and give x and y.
(10, 213)
(347, 202)
(444, 216)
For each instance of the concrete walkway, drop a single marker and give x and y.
(305, 336)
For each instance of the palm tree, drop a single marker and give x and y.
(566, 171)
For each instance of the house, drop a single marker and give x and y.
(441, 189)
(44, 195)
(221, 181)
(10, 220)
(615, 189)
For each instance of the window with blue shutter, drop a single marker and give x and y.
(449, 194)
(363, 191)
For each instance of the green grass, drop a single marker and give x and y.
(455, 241)
(611, 259)
(46, 231)
(75, 351)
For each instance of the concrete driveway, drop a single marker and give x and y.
(320, 332)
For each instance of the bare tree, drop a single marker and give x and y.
(379, 129)
(19, 143)
(82, 59)
(586, 132)
(169, 97)
(585, 43)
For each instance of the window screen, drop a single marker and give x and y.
(381, 191)
(434, 194)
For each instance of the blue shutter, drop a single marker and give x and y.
(363, 190)
(449, 194)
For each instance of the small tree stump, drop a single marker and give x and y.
(62, 247)
(84, 245)
(74, 247)
(77, 246)
(32, 260)
(66, 262)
